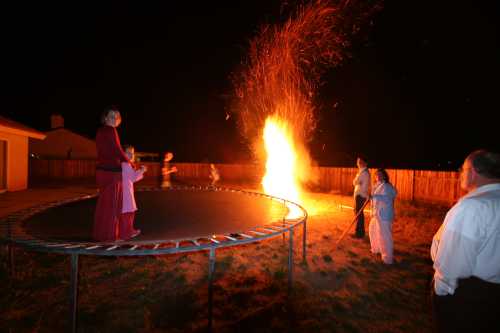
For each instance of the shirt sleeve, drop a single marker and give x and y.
(385, 194)
(365, 178)
(355, 180)
(137, 175)
(130, 174)
(455, 248)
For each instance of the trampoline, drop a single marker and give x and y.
(175, 220)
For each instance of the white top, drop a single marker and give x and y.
(129, 177)
(468, 242)
(362, 183)
(383, 201)
(214, 175)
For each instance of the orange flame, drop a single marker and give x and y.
(281, 179)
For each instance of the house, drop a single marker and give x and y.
(62, 143)
(14, 154)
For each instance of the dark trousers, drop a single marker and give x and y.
(474, 307)
(360, 224)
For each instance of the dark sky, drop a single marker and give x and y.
(419, 90)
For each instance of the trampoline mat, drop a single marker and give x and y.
(164, 215)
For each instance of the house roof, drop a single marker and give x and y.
(13, 127)
(65, 129)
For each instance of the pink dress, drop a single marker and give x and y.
(129, 177)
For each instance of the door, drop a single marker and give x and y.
(3, 166)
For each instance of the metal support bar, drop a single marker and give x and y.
(74, 291)
(283, 226)
(283, 221)
(304, 241)
(211, 270)
(290, 261)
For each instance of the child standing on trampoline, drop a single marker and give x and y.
(126, 228)
(166, 170)
(214, 174)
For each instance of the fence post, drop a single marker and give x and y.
(413, 185)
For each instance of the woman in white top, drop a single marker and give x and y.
(380, 229)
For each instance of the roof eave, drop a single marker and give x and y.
(32, 134)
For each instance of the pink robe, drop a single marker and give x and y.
(109, 206)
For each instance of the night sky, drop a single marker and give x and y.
(420, 89)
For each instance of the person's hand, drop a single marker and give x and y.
(174, 169)
(144, 168)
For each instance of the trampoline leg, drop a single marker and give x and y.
(290, 261)
(283, 233)
(304, 241)
(211, 269)
(74, 291)
(283, 221)
(10, 253)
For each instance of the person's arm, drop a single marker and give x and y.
(355, 181)
(129, 173)
(455, 253)
(385, 193)
(138, 174)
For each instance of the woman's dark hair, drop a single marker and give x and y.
(384, 174)
(106, 112)
(363, 158)
(486, 163)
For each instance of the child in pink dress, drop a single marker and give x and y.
(129, 177)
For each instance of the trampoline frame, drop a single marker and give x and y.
(11, 226)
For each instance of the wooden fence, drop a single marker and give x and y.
(422, 185)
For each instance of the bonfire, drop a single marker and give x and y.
(276, 88)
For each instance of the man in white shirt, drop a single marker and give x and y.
(361, 194)
(466, 252)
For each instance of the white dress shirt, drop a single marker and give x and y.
(468, 242)
(362, 183)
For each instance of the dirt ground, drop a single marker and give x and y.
(343, 289)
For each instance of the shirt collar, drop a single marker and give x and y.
(484, 188)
